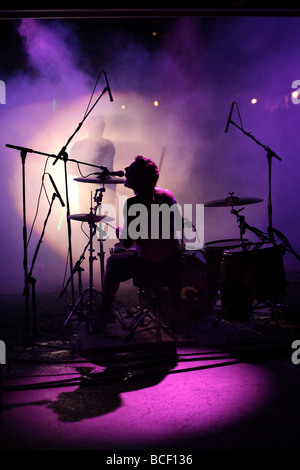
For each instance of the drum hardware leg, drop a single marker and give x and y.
(116, 310)
(144, 311)
(91, 293)
(287, 246)
(101, 255)
(274, 315)
(236, 324)
(246, 328)
(77, 269)
(217, 320)
(119, 309)
(101, 233)
(149, 309)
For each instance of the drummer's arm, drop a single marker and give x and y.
(126, 241)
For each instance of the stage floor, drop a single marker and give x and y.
(218, 386)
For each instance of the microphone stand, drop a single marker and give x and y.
(270, 155)
(27, 339)
(31, 279)
(63, 155)
(271, 230)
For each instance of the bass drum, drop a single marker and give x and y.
(194, 294)
(119, 248)
(253, 272)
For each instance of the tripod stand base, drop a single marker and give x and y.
(87, 315)
(148, 317)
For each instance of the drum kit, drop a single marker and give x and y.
(241, 271)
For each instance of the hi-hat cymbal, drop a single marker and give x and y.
(231, 201)
(101, 180)
(91, 218)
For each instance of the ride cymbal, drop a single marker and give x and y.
(101, 180)
(231, 201)
(90, 218)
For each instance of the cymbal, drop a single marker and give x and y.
(101, 180)
(90, 218)
(231, 201)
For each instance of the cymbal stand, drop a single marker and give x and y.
(91, 292)
(243, 226)
(79, 269)
(98, 200)
(101, 233)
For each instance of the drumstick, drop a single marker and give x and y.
(162, 156)
(103, 222)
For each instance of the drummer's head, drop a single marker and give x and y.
(142, 174)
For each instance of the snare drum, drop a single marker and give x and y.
(251, 272)
(119, 248)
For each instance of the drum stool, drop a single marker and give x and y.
(150, 282)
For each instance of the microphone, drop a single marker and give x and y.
(107, 86)
(109, 173)
(116, 173)
(229, 117)
(56, 190)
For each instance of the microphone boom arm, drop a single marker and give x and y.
(62, 154)
(270, 152)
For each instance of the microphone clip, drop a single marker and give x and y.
(62, 155)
